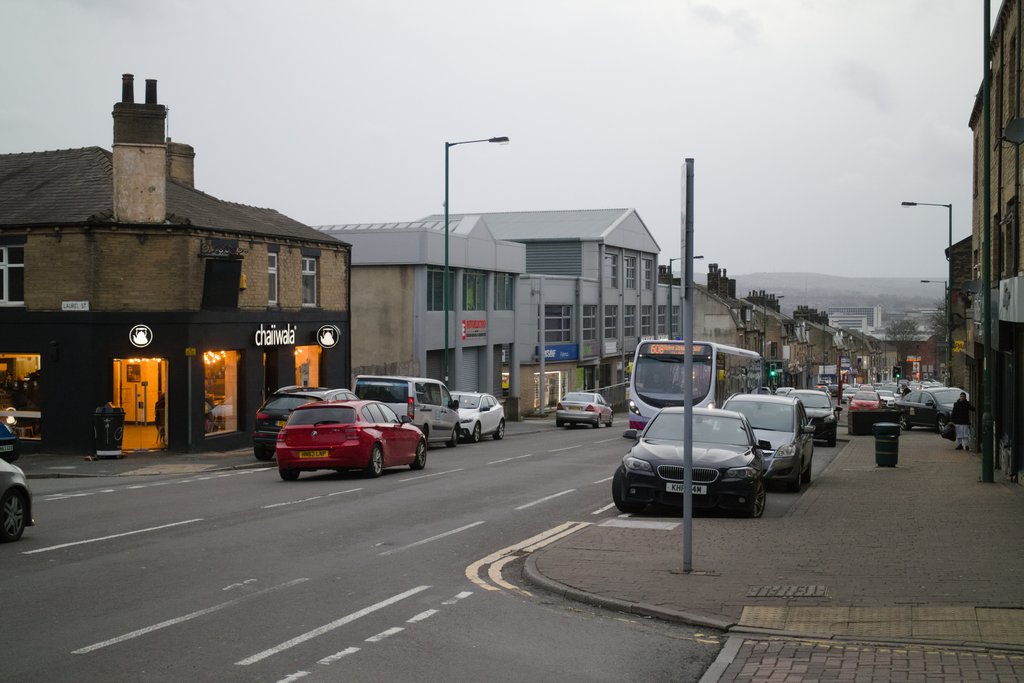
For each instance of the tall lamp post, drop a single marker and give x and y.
(949, 328)
(445, 285)
(949, 280)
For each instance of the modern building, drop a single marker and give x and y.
(865, 319)
(122, 284)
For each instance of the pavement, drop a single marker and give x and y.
(911, 572)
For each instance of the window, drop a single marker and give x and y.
(557, 324)
(220, 284)
(629, 264)
(611, 269)
(662, 319)
(648, 274)
(611, 322)
(504, 286)
(220, 381)
(435, 289)
(12, 275)
(307, 365)
(272, 279)
(629, 321)
(474, 291)
(309, 281)
(646, 321)
(589, 322)
(21, 394)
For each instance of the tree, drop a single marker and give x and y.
(903, 335)
(935, 323)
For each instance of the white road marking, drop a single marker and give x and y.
(238, 585)
(432, 538)
(338, 655)
(546, 498)
(327, 628)
(518, 457)
(107, 538)
(428, 476)
(600, 510)
(384, 634)
(421, 616)
(460, 596)
(601, 481)
(567, 448)
(179, 620)
(290, 502)
(640, 524)
(618, 438)
(294, 677)
(339, 493)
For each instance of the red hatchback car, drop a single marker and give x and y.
(866, 400)
(346, 435)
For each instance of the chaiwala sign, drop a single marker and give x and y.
(274, 336)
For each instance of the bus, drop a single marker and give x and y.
(656, 380)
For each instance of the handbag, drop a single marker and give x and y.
(949, 431)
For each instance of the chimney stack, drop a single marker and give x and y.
(140, 156)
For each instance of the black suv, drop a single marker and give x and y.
(279, 405)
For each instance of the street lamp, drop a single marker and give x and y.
(444, 285)
(764, 335)
(949, 280)
(949, 327)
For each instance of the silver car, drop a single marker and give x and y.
(15, 502)
(583, 407)
(426, 401)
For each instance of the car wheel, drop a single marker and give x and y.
(621, 504)
(940, 422)
(832, 439)
(477, 433)
(376, 464)
(500, 434)
(13, 512)
(597, 423)
(805, 476)
(759, 499)
(420, 461)
(559, 423)
(793, 485)
(287, 474)
(263, 453)
(904, 422)
(611, 418)
(453, 440)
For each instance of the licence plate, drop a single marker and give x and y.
(314, 454)
(8, 447)
(575, 407)
(698, 489)
(281, 423)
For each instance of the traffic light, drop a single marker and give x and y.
(773, 370)
(896, 372)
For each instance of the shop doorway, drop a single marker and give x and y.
(270, 375)
(140, 389)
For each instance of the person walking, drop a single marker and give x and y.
(960, 416)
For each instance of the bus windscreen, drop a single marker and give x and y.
(658, 378)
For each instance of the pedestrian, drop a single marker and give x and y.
(960, 416)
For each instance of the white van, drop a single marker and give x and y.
(427, 401)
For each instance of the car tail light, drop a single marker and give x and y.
(591, 408)
(352, 433)
(280, 435)
(410, 409)
(262, 416)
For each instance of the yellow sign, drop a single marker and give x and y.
(958, 346)
(190, 350)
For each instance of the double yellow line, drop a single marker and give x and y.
(497, 560)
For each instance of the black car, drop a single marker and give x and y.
(927, 407)
(8, 444)
(273, 414)
(823, 413)
(728, 469)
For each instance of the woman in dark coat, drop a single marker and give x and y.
(960, 416)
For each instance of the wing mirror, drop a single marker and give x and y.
(764, 445)
(630, 434)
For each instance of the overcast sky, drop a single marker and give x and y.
(809, 120)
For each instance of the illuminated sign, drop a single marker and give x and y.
(274, 336)
(673, 349)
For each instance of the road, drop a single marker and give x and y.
(239, 576)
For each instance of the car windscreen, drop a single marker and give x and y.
(706, 429)
(865, 396)
(579, 398)
(467, 401)
(775, 417)
(383, 390)
(325, 415)
(814, 399)
(287, 402)
(946, 396)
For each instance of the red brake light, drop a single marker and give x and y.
(280, 435)
(410, 408)
(591, 408)
(262, 416)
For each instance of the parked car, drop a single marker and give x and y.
(579, 407)
(345, 435)
(480, 415)
(888, 398)
(865, 400)
(15, 502)
(728, 464)
(822, 412)
(274, 412)
(781, 421)
(8, 443)
(426, 401)
(927, 407)
(783, 391)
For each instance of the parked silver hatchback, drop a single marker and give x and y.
(426, 401)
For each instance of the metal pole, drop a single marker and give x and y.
(949, 304)
(687, 315)
(987, 388)
(542, 386)
(444, 283)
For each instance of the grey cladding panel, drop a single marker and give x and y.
(555, 258)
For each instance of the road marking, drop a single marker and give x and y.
(494, 573)
(460, 596)
(179, 620)
(338, 655)
(432, 538)
(107, 538)
(606, 479)
(618, 438)
(639, 524)
(518, 457)
(327, 628)
(604, 509)
(338, 493)
(384, 634)
(428, 476)
(294, 677)
(567, 448)
(564, 529)
(290, 502)
(421, 616)
(545, 499)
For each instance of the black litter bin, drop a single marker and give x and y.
(108, 431)
(887, 443)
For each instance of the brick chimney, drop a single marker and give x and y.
(140, 156)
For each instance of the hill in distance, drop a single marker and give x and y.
(822, 292)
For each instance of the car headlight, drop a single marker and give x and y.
(787, 451)
(637, 465)
(741, 473)
(830, 418)
(632, 408)
(465, 420)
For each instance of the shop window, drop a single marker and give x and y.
(222, 391)
(307, 366)
(20, 394)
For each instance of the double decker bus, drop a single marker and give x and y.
(657, 377)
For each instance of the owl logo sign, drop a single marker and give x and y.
(140, 336)
(328, 336)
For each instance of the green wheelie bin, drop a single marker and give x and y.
(887, 443)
